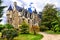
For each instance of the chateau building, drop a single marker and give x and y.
(17, 15)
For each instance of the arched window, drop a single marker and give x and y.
(28, 21)
(30, 15)
(10, 20)
(26, 14)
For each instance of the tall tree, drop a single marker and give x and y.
(1, 9)
(49, 15)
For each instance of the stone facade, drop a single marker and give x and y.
(16, 15)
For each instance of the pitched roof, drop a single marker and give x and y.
(40, 15)
(30, 10)
(35, 11)
(19, 8)
(10, 7)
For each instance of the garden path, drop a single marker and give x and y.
(50, 36)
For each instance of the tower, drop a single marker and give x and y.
(9, 15)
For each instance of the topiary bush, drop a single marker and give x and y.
(9, 34)
(24, 28)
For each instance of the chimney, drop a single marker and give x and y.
(15, 4)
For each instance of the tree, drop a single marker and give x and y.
(56, 23)
(9, 34)
(1, 9)
(1, 27)
(55, 26)
(49, 15)
(24, 28)
(35, 29)
(8, 26)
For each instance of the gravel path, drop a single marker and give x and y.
(50, 36)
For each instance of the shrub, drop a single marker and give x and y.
(43, 28)
(24, 28)
(8, 26)
(55, 26)
(1, 27)
(9, 34)
(35, 29)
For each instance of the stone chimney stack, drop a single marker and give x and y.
(15, 4)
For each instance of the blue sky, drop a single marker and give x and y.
(38, 4)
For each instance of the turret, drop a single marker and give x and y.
(15, 4)
(9, 14)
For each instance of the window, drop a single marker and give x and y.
(10, 20)
(26, 14)
(34, 21)
(28, 21)
(23, 19)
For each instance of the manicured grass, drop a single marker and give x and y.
(29, 37)
(0, 34)
(51, 32)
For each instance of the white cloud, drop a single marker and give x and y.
(38, 4)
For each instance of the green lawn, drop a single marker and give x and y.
(0, 34)
(51, 32)
(28, 37)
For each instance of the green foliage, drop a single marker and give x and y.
(55, 26)
(8, 26)
(52, 32)
(9, 34)
(1, 27)
(50, 18)
(0, 1)
(43, 28)
(49, 15)
(24, 28)
(29, 37)
(1, 8)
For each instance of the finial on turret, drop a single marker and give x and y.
(15, 3)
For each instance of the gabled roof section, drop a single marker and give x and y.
(25, 10)
(10, 8)
(40, 15)
(19, 8)
(29, 10)
(35, 11)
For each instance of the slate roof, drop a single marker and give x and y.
(10, 7)
(29, 10)
(35, 11)
(19, 8)
(40, 15)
